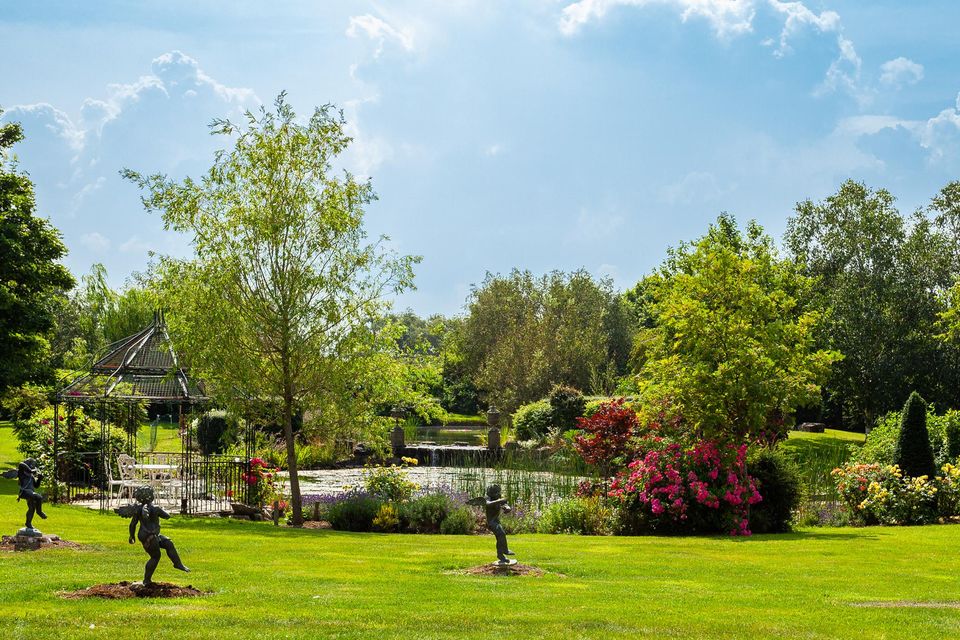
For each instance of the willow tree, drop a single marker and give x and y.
(275, 307)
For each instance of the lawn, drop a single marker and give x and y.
(280, 583)
(9, 456)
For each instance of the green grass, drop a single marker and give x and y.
(168, 437)
(9, 456)
(282, 583)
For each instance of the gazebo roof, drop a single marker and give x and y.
(143, 366)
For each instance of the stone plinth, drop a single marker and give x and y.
(31, 541)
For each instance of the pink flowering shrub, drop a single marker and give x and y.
(696, 488)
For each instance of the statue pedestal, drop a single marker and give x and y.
(509, 562)
(30, 540)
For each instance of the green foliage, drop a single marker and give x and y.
(879, 274)
(582, 516)
(525, 333)
(387, 519)
(426, 513)
(354, 514)
(31, 274)
(216, 431)
(778, 481)
(23, 402)
(952, 435)
(733, 346)
(460, 522)
(79, 433)
(881, 443)
(533, 421)
(390, 484)
(283, 275)
(566, 405)
(913, 453)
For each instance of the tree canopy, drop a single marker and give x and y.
(278, 303)
(732, 348)
(31, 276)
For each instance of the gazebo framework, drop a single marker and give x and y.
(144, 369)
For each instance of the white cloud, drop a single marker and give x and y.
(940, 135)
(380, 31)
(796, 17)
(727, 17)
(900, 72)
(95, 241)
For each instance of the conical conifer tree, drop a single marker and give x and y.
(913, 452)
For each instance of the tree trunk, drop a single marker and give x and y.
(295, 500)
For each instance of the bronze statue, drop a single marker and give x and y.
(148, 515)
(493, 505)
(29, 476)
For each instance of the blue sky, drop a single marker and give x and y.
(550, 134)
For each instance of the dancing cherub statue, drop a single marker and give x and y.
(28, 477)
(148, 516)
(493, 504)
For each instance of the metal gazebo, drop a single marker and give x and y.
(144, 369)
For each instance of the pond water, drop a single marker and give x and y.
(527, 487)
(452, 435)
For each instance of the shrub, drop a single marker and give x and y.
(355, 513)
(519, 520)
(778, 481)
(23, 402)
(215, 432)
(699, 488)
(583, 516)
(533, 421)
(952, 435)
(566, 405)
(913, 453)
(388, 483)
(459, 522)
(880, 494)
(426, 513)
(606, 434)
(387, 519)
(881, 444)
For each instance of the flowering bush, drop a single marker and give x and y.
(262, 482)
(701, 487)
(387, 519)
(390, 483)
(880, 494)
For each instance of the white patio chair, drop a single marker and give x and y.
(127, 466)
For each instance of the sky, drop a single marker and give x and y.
(541, 135)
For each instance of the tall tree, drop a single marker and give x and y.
(881, 277)
(732, 348)
(31, 278)
(524, 334)
(276, 307)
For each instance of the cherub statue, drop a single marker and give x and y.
(493, 504)
(148, 515)
(29, 476)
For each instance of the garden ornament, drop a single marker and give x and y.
(493, 505)
(148, 515)
(29, 476)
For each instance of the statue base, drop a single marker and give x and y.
(31, 540)
(509, 562)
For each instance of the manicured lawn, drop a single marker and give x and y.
(281, 583)
(9, 456)
(168, 437)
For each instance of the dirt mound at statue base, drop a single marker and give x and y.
(496, 569)
(121, 590)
